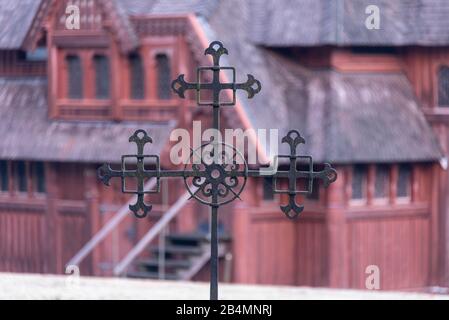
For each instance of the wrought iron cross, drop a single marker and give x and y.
(216, 173)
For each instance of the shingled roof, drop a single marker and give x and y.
(27, 134)
(342, 22)
(322, 22)
(344, 117)
(15, 20)
(352, 117)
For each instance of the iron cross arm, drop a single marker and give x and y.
(252, 86)
(327, 175)
(140, 173)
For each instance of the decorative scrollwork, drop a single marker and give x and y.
(252, 86)
(292, 209)
(140, 208)
(216, 50)
(328, 175)
(293, 139)
(219, 176)
(179, 86)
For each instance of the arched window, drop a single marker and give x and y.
(137, 82)
(443, 86)
(102, 76)
(163, 76)
(74, 76)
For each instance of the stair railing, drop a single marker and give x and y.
(162, 223)
(107, 228)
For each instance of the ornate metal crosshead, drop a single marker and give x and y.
(216, 173)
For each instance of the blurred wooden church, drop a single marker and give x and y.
(374, 103)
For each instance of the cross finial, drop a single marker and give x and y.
(293, 139)
(216, 50)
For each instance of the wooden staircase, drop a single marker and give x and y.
(182, 256)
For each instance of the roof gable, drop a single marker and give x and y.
(120, 24)
(158, 7)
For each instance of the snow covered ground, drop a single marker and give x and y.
(20, 286)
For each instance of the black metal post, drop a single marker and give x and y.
(214, 205)
(214, 254)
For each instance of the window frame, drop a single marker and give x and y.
(94, 74)
(34, 178)
(273, 199)
(15, 178)
(386, 198)
(365, 186)
(31, 187)
(157, 74)
(260, 193)
(68, 73)
(131, 77)
(8, 181)
(404, 199)
(439, 68)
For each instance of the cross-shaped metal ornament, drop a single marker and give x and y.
(217, 172)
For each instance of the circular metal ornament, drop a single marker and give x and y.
(221, 177)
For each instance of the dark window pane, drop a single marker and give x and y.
(101, 64)
(75, 76)
(20, 176)
(137, 77)
(268, 193)
(381, 185)
(4, 178)
(315, 195)
(359, 174)
(164, 76)
(404, 180)
(443, 87)
(38, 174)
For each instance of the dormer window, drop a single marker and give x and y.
(163, 76)
(137, 82)
(75, 77)
(443, 86)
(102, 76)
